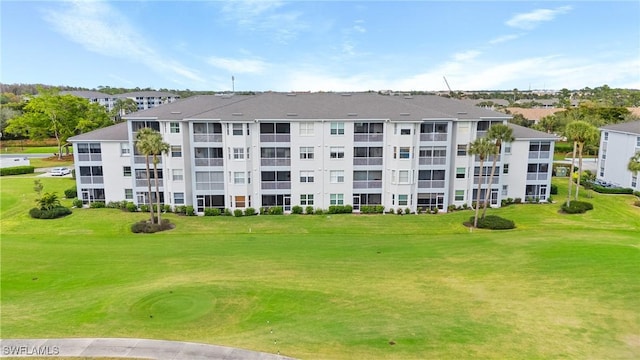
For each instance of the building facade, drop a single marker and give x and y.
(313, 149)
(618, 143)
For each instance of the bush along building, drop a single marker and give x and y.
(313, 150)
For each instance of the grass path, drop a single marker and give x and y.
(331, 287)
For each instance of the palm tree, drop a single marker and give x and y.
(580, 132)
(149, 143)
(498, 133)
(634, 163)
(482, 148)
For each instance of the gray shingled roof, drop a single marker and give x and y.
(521, 132)
(117, 132)
(86, 94)
(317, 106)
(632, 127)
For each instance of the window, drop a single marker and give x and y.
(177, 175)
(505, 190)
(174, 127)
(336, 152)
(459, 195)
(337, 128)
(306, 176)
(240, 201)
(403, 176)
(405, 152)
(178, 198)
(336, 199)
(336, 176)
(176, 151)
(237, 129)
(238, 177)
(306, 152)
(306, 199)
(306, 129)
(634, 181)
(462, 150)
(126, 171)
(507, 148)
(505, 169)
(128, 194)
(124, 149)
(606, 136)
(238, 153)
(403, 200)
(638, 141)
(460, 173)
(405, 131)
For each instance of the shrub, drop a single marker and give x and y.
(97, 205)
(296, 209)
(308, 210)
(494, 222)
(227, 212)
(148, 228)
(452, 208)
(610, 190)
(189, 211)
(181, 210)
(435, 210)
(319, 211)
(71, 193)
(340, 209)
(637, 203)
(276, 210)
(249, 211)
(131, 207)
(17, 170)
(52, 213)
(576, 207)
(517, 201)
(166, 208)
(211, 212)
(238, 212)
(407, 211)
(144, 208)
(77, 203)
(554, 189)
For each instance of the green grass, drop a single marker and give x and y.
(331, 287)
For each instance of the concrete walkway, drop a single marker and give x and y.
(127, 348)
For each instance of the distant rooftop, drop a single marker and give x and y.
(117, 132)
(628, 127)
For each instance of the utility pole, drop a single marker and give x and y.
(233, 84)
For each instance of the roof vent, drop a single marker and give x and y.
(176, 112)
(292, 114)
(404, 114)
(291, 94)
(346, 94)
(462, 113)
(352, 114)
(237, 114)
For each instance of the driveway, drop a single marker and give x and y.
(127, 348)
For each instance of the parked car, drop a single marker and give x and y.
(60, 171)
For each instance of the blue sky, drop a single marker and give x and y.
(322, 45)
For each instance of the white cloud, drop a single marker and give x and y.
(502, 39)
(101, 29)
(531, 19)
(467, 55)
(237, 66)
(265, 16)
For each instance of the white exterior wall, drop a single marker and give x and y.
(315, 165)
(614, 155)
(113, 162)
(463, 134)
(516, 180)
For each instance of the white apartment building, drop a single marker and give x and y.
(149, 99)
(618, 143)
(313, 149)
(97, 97)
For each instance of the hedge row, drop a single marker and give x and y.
(148, 228)
(610, 190)
(494, 222)
(17, 170)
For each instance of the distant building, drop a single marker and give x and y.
(97, 97)
(313, 149)
(149, 99)
(618, 143)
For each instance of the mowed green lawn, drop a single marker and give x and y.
(331, 287)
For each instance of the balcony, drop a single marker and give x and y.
(275, 185)
(431, 184)
(432, 160)
(539, 155)
(275, 162)
(368, 137)
(89, 157)
(537, 176)
(207, 138)
(91, 180)
(144, 183)
(280, 138)
(209, 186)
(139, 159)
(433, 137)
(367, 184)
(367, 161)
(209, 162)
